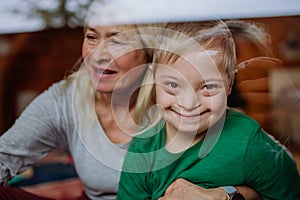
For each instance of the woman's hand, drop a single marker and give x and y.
(182, 189)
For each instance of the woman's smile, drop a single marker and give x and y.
(102, 74)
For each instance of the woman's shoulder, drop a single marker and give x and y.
(55, 98)
(60, 91)
(63, 86)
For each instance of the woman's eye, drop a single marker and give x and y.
(116, 41)
(90, 37)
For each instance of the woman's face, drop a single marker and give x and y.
(113, 54)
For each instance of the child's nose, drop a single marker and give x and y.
(189, 101)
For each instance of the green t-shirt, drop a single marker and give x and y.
(243, 155)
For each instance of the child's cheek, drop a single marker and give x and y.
(163, 99)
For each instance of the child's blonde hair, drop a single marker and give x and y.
(254, 32)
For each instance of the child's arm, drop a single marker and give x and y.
(270, 169)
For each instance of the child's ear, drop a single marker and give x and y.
(151, 67)
(230, 87)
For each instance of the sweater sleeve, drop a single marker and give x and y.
(270, 169)
(34, 134)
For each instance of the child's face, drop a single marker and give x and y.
(192, 97)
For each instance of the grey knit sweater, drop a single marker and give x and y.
(59, 118)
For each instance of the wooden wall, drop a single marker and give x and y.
(285, 32)
(32, 62)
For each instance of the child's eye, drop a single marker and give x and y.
(173, 85)
(210, 86)
(211, 89)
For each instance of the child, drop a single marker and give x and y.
(200, 139)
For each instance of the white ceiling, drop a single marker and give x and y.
(133, 11)
(141, 11)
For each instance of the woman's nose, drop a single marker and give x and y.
(101, 54)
